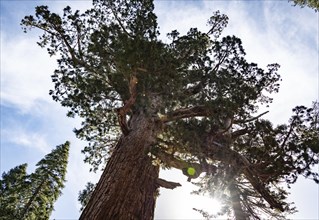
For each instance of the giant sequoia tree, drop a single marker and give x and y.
(191, 103)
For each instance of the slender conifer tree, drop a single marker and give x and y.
(32, 196)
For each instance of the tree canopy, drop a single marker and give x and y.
(314, 4)
(32, 196)
(198, 89)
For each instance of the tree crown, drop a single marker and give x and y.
(112, 65)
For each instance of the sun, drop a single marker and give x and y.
(207, 204)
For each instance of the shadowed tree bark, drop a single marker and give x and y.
(128, 186)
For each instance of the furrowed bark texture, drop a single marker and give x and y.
(128, 185)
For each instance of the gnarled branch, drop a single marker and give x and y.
(172, 161)
(167, 184)
(228, 156)
(122, 111)
(250, 119)
(238, 133)
(186, 113)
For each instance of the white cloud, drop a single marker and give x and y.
(26, 68)
(29, 139)
(25, 73)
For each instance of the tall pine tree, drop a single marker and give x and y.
(32, 196)
(190, 103)
(13, 188)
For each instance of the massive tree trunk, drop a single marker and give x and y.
(127, 188)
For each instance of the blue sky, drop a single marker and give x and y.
(32, 124)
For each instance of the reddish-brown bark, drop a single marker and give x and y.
(128, 186)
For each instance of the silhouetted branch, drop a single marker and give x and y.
(186, 113)
(167, 184)
(251, 119)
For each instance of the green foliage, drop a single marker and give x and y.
(100, 50)
(85, 194)
(277, 154)
(13, 187)
(32, 196)
(309, 3)
(198, 85)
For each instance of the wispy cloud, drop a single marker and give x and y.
(26, 68)
(29, 139)
(25, 73)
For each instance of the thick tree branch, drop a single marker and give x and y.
(251, 119)
(167, 184)
(121, 112)
(228, 156)
(238, 133)
(252, 176)
(79, 41)
(186, 113)
(120, 23)
(172, 161)
(289, 133)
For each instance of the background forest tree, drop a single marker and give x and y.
(32, 196)
(113, 68)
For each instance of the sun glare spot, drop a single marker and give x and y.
(209, 205)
